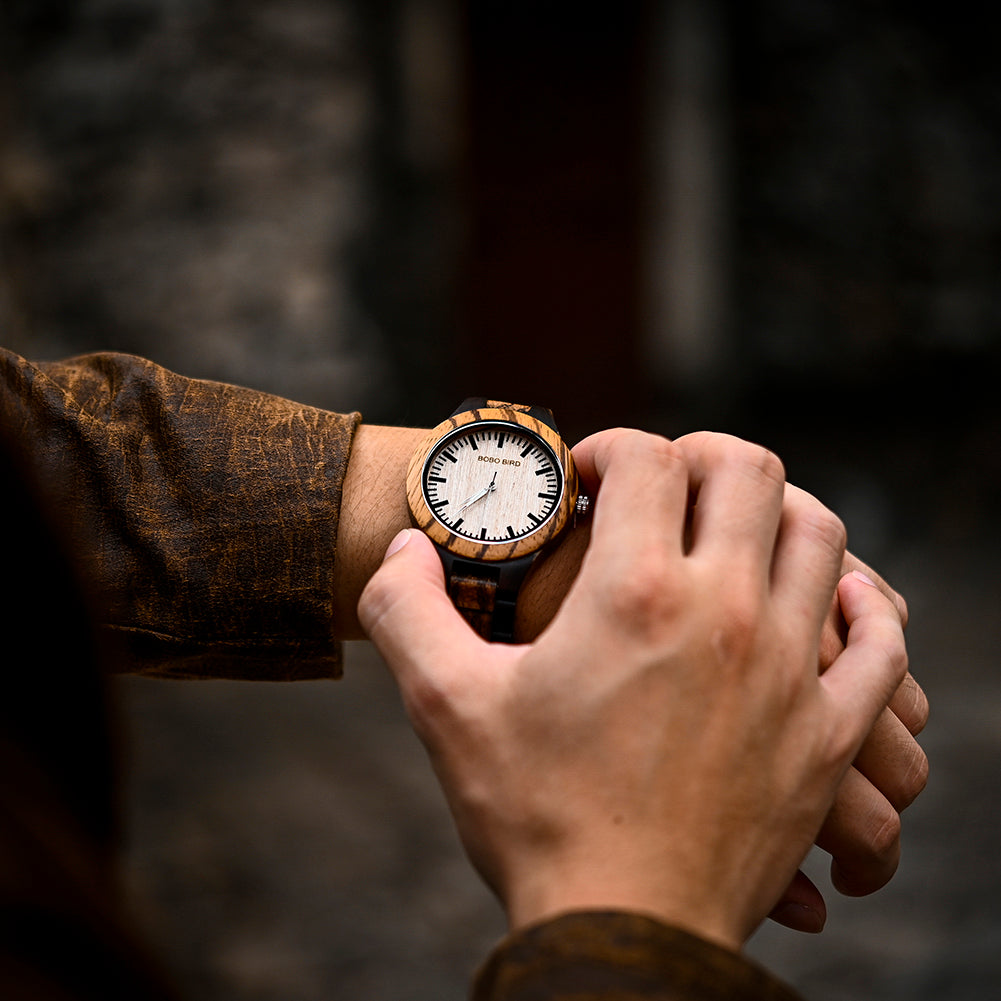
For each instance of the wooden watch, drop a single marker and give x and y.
(492, 487)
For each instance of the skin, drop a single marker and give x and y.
(861, 829)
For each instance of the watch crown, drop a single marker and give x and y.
(583, 504)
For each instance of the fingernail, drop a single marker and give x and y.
(862, 577)
(399, 541)
(799, 917)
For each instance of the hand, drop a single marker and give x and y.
(667, 745)
(862, 831)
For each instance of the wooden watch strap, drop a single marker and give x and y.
(486, 594)
(543, 414)
(476, 599)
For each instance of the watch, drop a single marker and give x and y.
(493, 486)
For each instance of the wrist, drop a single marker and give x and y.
(373, 511)
(673, 902)
(618, 860)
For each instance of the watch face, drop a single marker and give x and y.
(492, 482)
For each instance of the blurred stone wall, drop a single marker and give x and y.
(230, 189)
(868, 214)
(850, 224)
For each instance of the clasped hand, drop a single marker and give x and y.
(667, 745)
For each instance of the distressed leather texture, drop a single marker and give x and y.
(212, 511)
(611, 956)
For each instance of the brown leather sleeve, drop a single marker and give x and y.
(209, 512)
(611, 956)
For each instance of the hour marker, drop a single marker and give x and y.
(458, 523)
(449, 456)
(439, 503)
(437, 479)
(500, 439)
(510, 532)
(483, 533)
(544, 471)
(549, 497)
(528, 448)
(533, 517)
(472, 442)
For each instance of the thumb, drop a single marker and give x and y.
(407, 614)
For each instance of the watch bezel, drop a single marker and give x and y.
(473, 549)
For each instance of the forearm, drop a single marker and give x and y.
(207, 513)
(226, 529)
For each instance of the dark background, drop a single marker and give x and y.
(776, 218)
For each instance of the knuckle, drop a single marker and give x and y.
(895, 653)
(739, 620)
(833, 528)
(913, 779)
(872, 859)
(900, 602)
(643, 447)
(910, 703)
(440, 701)
(426, 699)
(884, 835)
(663, 452)
(769, 464)
(755, 459)
(644, 600)
(825, 528)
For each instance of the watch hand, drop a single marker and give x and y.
(480, 494)
(472, 500)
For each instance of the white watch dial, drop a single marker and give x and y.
(492, 482)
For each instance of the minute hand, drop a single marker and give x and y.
(480, 494)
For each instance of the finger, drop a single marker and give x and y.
(640, 509)
(802, 907)
(862, 835)
(852, 562)
(863, 679)
(862, 830)
(807, 560)
(910, 705)
(832, 636)
(407, 614)
(585, 458)
(893, 762)
(738, 505)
